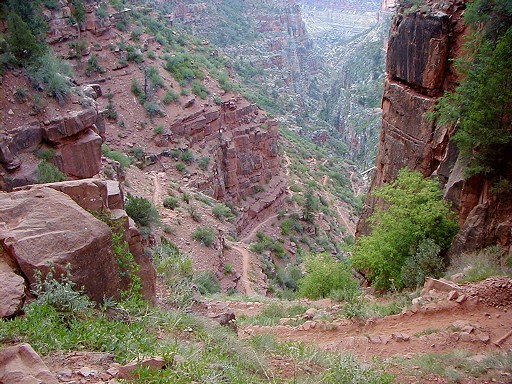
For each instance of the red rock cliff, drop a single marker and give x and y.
(419, 69)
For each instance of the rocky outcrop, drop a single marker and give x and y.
(419, 68)
(20, 364)
(74, 138)
(242, 143)
(53, 218)
(43, 227)
(12, 290)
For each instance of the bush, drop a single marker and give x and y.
(187, 157)
(159, 129)
(324, 275)
(48, 173)
(170, 96)
(22, 43)
(153, 109)
(53, 74)
(203, 163)
(62, 294)
(207, 283)
(121, 158)
(142, 211)
(176, 269)
(137, 90)
(182, 168)
(266, 243)
(171, 202)
(194, 213)
(416, 212)
(426, 262)
(205, 235)
(199, 89)
(93, 65)
(222, 211)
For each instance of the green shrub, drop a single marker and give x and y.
(426, 262)
(20, 95)
(416, 212)
(175, 268)
(151, 55)
(324, 275)
(180, 167)
(194, 213)
(291, 225)
(136, 34)
(61, 294)
(121, 158)
(53, 74)
(203, 163)
(159, 129)
(137, 90)
(154, 77)
(22, 42)
(48, 173)
(207, 283)
(266, 243)
(222, 211)
(187, 157)
(142, 211)
(153, 109)
(205, 235)
(170, 96)
(199, 89)
(93, 65)
(171, 202)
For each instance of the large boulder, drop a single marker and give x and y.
(12, 289)
(20, 364)
(43, 226)
(90, 194)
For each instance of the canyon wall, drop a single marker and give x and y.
(422, 44)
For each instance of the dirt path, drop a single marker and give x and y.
(431, 329)
(288, 163)
(344, 217)
(246, 260)
(241, 247)
(157, 189)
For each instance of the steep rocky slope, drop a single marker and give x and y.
(422, 46)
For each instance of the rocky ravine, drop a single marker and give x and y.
(420, 55)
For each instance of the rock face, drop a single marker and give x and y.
(280, 42)
(242, 143)
(44, 219)
(419, 69)
(74, 137)
(12, 290)
(41, 217)
(20, 364)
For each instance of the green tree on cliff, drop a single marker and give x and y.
(416, 212)
(481, 104)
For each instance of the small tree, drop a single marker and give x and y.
(416, 212)
(22, 43)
